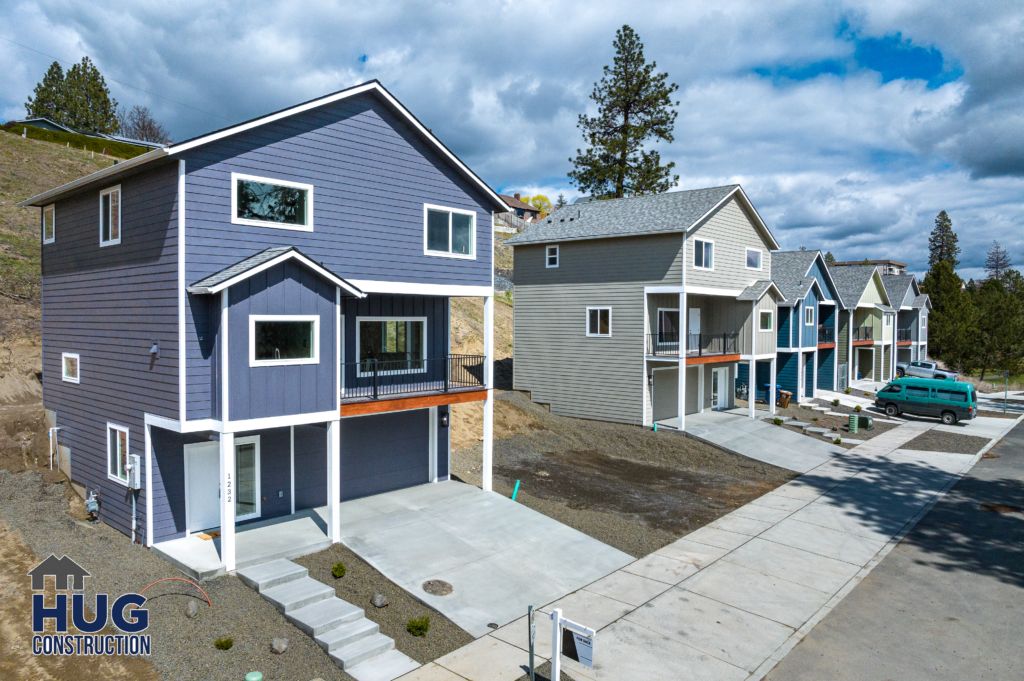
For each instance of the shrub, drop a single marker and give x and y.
(224, 643)
(814, 418)
(837, 441)
(857, 408)
(847, 391)
(338, 570)
(835, 403)
(867, 394)
(418, 626)
(777, 421)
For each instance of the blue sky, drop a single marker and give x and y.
(850, 125)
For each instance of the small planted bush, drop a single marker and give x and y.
(224, 643)
(837, 441)
(777, 421)
(814, 418)
(857, 408)
(835, 403)
(338, 570)
(847, 391)
(867, 394)
(418, 626)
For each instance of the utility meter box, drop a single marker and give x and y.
(134, 471)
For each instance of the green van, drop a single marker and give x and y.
(949, 400)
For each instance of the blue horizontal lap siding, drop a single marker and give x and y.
(108, 305)
(826, 368)
(310, 466)
(169, 482)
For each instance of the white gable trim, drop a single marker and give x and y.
(242, 276)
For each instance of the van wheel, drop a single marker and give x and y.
(948, 418)
(892, 410)
(899, 373)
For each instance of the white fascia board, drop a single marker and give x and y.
(770, 355)
(664, 289)
(217, 426)
(712, 291)
(337, 281)
(44, 198)
(409, 288)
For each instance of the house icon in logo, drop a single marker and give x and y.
(63, 570)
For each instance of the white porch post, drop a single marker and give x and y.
(771, 387)
(683, 343)
(149, 486)
(227, 500)
(489, 383)
(334, 481)
(752, 389)
(700, 388)
(432, 446)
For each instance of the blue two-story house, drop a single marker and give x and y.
(255, 322)
(806, 348)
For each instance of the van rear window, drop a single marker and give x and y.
(951, 395)
(911, 391)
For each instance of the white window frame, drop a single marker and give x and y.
(771, 315)
(888, 320)
(253, 318)
(128, 439)
(548, 252)
(694, 261)
(808, 315)
(667, 309)
(120, 225)
(426, 336)
(235, 220)
(448, 254)
(760, 258)
(52, 208)
(250, 439)
(63, 366)
(587, 322)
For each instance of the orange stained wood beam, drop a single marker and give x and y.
(403, 404)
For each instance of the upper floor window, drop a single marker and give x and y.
(391, 344)
(599, 321)
(668, 325)
(266, 202)
(69, 367)
(753, 258)
(764, 320)
(49, 224)
(924, 321)
(551, 256)
(888, 320)
(809, 315)
(703, 254)
(449, 231)
(110, 216)
(283, 339)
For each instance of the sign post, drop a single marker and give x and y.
(531, 622)
(571, 639)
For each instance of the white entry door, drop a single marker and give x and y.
(694, 329)
(202, 500)
(719, 392)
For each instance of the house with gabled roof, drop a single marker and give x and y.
(866, 331)
(913, 308)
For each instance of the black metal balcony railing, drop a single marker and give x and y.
(699, 344)
(826, 334)
(863, 333)
(373, 379)
(903, 335)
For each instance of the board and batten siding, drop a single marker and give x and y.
(371, 175)
(810, 333)
(595, 378)
(732, 230)
(764, 342)
(109, 305)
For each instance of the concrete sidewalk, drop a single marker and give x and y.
(731, 599)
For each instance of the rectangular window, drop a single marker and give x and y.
(449, 231)
(283, 340)
(266, 202)
(110, 216)
(391, 344)
(599, 321)
(552, 256)
(668, 326)
(69, 367)
(924, 322)
(703, 254)
(951, 395)
(117, 453)
(49, 224)
(918, 393)
(764, 320)
(809, 316)
(753, 259)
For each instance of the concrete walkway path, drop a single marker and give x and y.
(733, 598)
(757, 439)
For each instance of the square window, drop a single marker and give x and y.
(599, 321)
(69, 367)
(764, 320)
(703, 254)
(449, 232)
(110, 216)
(266, 202)
(552, 256)
(391, 345)
(117, 453)
(753, 259)
(283, 340)
(49, 224)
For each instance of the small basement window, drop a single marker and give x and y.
(117, 453)
(753, 259)
(283, 340)
(552, 256)
(599, 321)
(703, 254)
(391, 344)
(49, 224)
(110, 216)
(764, 322)
(809, 316)
(449, 231)
(69, 367)
(265, 202)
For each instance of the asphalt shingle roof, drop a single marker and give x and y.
(794, 289)
(896, 286)
(791, 264)
(254, 261)
(755, 290)
(922, 300)
(851, 281)
(670, 212)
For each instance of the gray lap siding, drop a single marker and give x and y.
(108, 305)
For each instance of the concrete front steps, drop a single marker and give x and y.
(353, 642)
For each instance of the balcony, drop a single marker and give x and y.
(373, 379)
(826, 334)
(903, 335)
(697, 344)
(863, 333)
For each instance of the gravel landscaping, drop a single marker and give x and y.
(627, 486)
(941, 441)
(840, 423)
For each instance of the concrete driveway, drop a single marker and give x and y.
(499, 556)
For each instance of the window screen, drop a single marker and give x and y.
(284, 340)
(268, 202)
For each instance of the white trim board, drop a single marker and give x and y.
(307, 225)
(411, 288)
(314, 340)
(711, 291)
(289, 255)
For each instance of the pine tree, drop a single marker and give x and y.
(829, 258)
(999, 343)
(997, 262)
(49, 96)
(942, 243)
(633, 107)
(945, 289)
(561, 202)
(88, 104)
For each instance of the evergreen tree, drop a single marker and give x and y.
(87, 101)
(829, 258)
(633, 107)
(944, 288)
(561, 202)
(48, 101)
(942, 243)
(999, 343)
(997, 262)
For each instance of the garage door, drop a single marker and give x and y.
(384, 452)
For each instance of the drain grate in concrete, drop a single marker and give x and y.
(437, 587)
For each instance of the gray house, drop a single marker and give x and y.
(257, 318)
(912, 309)
(642, 310)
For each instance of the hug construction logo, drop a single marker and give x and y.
(70, 576)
